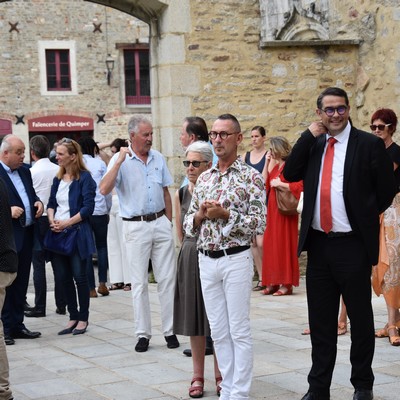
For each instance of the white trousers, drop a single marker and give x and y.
(226, 283)
(151, 240)
(118, 265)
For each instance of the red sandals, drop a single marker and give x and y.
(196, 388)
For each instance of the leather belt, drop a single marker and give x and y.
(146, 218)
(334, 234)
(224, 252)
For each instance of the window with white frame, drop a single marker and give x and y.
(57, 60)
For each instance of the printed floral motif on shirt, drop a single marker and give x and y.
(240, 190)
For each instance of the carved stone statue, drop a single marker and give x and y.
(294, 19)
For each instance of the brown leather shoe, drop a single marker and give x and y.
(102, 289)
(93, 293)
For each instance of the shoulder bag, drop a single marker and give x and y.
(63, 242)
(287, 203)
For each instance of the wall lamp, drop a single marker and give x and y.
(110, 67)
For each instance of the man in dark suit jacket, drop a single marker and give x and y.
(25, 208)
(340, 258)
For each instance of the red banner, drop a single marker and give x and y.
(56, 123)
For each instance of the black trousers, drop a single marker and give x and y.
(339, 266)
(39, 270)
(13, 309)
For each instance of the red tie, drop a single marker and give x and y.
(325, 195)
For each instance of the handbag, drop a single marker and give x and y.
(287, 203)
(63, 242)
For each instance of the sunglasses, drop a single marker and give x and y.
(380, 127)
(195, 164)
(65, 140)
(330, 111)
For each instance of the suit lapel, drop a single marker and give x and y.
(319, 150)
(11, 187)
(350, 153)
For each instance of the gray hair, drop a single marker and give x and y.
(202, 148)
(5, 144)
(134, 123)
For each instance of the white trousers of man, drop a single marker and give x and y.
(144, 241)
(226, 284)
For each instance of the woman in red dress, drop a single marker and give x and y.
(280, 262)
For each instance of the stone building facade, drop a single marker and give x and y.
(264, 61)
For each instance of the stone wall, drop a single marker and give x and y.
(73, 20)
(277, 86)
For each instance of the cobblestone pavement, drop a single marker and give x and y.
(102, 363)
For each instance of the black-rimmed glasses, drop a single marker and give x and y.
(195, 164)
(330, 111)
(380, 127)
(223, 135)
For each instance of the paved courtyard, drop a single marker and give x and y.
(102, 364)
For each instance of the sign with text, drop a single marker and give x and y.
(60, 123)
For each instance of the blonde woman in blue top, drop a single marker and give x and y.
(72, 202)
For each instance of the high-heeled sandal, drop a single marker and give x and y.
(270, 289)
(394, 339)
(258, 287)
(218, 382)
(196, 388)
(381, 333)
(287, 292)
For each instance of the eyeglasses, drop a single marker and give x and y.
(380, 127)
(223, 135)
(195, 164)
(330, 111)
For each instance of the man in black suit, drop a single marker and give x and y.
(25, 208)
(8, 272)
(342, 250)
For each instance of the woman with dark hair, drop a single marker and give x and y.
(385, 275)
(71, 203)
(99, 219)
(280, 263)
(256, 159)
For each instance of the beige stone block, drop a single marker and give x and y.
(171, 49)
(176, 17)
(172, 110)
(180, 80)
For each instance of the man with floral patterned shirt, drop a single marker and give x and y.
(227, 210)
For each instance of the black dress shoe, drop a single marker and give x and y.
(61, 310)
(34, 313)
(315, 396)
(69, 330)
(142, 345)
(172, 341)
(8, 340)
(363, 394)
(208, 352)
(80, 331)
(27, 307)
(26, 334)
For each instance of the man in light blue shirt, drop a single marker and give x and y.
(141, 178)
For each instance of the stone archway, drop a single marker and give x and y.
(174, 83)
